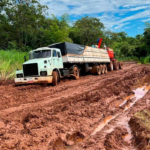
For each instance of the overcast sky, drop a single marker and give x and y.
(117, 15)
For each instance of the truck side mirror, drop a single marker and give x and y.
(25, 58)
(58, 54)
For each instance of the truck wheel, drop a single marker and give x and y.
(98, 70)
(76, 73)
(115, 65)
(110, 66)
(101, 68)
(55, 78)
(105, 69)
(102, 71)
(120, 65)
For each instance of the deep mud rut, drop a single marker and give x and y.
(67, 116)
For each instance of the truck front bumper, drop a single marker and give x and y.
(32, 80)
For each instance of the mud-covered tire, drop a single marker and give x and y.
(98, 70)
(100, 67)
(55, 78)
(105, 69)
(120, 65)
(76, 73)
(115, 65)
(102, 70)
(110, 66)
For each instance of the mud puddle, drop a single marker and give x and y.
(139, 93)
(123, 123)
(103, 124)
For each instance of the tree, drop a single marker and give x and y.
(86, 30)
(147, 36)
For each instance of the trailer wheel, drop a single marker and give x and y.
(110, 66)
(101, 68)
(76, 73)
(105, 69)
(120, 65)
(102, 71)
(98, 70)
(55, 78)
(115, 65)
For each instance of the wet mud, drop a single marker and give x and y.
(140, 125)
(69, 116)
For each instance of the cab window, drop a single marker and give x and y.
(54, 53)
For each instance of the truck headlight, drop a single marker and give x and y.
(43, 73)
(20, 75)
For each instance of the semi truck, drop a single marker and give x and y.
(50, 64)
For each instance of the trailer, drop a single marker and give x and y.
(50, 64)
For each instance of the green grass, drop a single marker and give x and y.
(127, 59)
(141, 60)
(9, 62)
(143, 118)
(145, 60)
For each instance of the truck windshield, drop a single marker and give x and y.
(40, 54)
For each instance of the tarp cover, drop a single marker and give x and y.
(69, 48)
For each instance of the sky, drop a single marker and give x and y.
(117, 15)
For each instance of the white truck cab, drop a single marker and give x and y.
(42, 62)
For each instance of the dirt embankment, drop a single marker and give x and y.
(140, 125)
(64, 117)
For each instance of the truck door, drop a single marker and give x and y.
(55, 59)
(60, 63)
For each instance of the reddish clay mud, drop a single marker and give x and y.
(41, 117)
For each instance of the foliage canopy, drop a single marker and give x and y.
(25, 25)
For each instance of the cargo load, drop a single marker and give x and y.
(81, 54)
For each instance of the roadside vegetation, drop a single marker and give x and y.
(10, 61)
(37, 29)
(141, 60)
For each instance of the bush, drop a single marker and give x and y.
(145, 60)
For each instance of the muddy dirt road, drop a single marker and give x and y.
(91, 113)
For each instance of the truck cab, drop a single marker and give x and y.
(40, 66)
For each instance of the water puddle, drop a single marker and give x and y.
(126, 99)
(122, 121)
(139, 93)
(104, 123)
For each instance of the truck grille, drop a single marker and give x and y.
(30, 69)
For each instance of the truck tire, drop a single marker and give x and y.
(101, 68)
(55, 78)
(98, 70)
(76, 73)
(105, 69)
(102, 71)
(110, 66)
(120, 65)
(115, 65)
